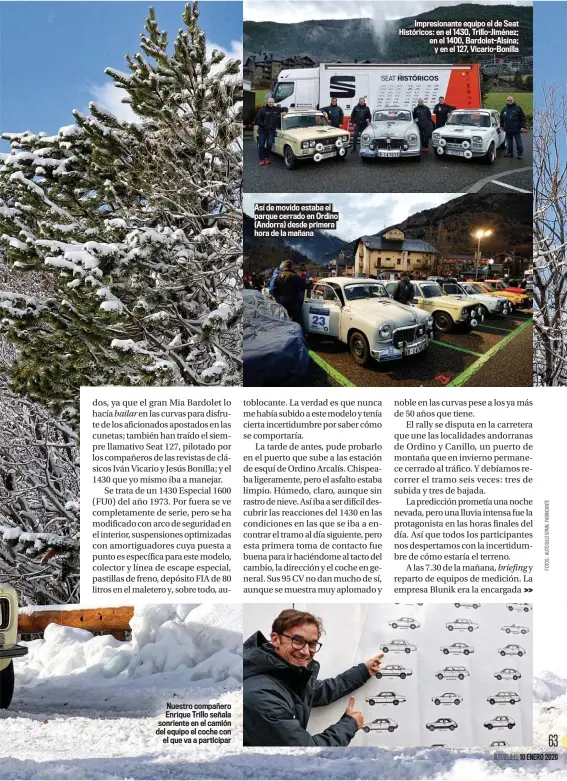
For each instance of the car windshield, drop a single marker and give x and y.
(453, 290)
(471, 119)
(356, 292)
(430, 290)
(304, 120)
(473, 289)
(391, 115)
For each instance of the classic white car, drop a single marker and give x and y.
(398, 645)
(9, 648)
(462, 623)
(514, 629)
(386, 698)
(404, 623)
(467, 604)
(449, 698)
(306, 135)
(522, 607)
(394, 671)
(447, 311)
(512, 650)
(359, 313)
(457, 648)
(470, 133)
(510, 698)
(508, 673)
(499, 722)
(381, 724)
(452, 672)
(486, 304)
(393, 132)
(442, 724)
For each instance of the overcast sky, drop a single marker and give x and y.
(359, 214)
(296, 11)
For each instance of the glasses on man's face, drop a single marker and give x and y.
(299, 643)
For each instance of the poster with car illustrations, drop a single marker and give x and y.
(455, 674)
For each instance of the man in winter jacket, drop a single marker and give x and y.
(360, 117)
(290, 289)
(422, 115)
(281, 686)
(442, 111)
(403, 292)
(334, 113)
(513, 122)
(267, 120)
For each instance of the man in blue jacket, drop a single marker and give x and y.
(513, 122)
(281, 686)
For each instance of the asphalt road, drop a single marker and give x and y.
(498, 353)
(430, 175)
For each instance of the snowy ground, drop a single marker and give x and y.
(87, 708)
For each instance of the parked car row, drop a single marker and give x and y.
(441, 724)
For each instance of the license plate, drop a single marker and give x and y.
(456, 152)
(413, 349)
(324, 155)
(388, 153)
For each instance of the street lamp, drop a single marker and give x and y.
(480, 234)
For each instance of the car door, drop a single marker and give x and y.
(322, 312)
(278, 142)
(499, 132)
(418, 298)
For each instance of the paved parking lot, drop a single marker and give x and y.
(389, 176)
(498, 353)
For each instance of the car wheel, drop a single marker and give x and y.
(457, 702)
(378, 675)
(431, 728)
(452, 727)
(443, 322)
(523, 631)
(512, 702)
(395, 702)
(437, 702)
(520, 653)
(402, 676)
(490, 157)
(466, 652)
(510, 726)
(391, 729)
(475, 606)
(507, 631)
(470, 628)
(526, 610)
(359, 349)
(510, 608)
(6, 685)
(445, 650)
(482, 311)
(492, 702)
(394, 626)
(385, 649)
(498, 677)
(290, 159)
(457, 604)
(450, 628)
(461, 677)
(440, 676)
(489, 726)
(408, 650)
(366, 729)
(515, 677)
(412, 626)
(502, 653)
(372, 702)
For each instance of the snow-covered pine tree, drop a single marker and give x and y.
(141, 223)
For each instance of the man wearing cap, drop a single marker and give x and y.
(442, 112)
(360, 117)
(513, 122)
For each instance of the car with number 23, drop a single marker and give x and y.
(359, 313)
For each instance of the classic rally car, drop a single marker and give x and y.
(466, 604)
(512, 650)
(493, 288)
(447, 311)
(510, 698)
(508, 673)
(9, 648)
(442, 724)
(394, 671)
(514, 629)
(386, 698)
(359, 313)
(457, 648)
(461, 623)
(398, 645)
(306, 135)
(499, 722)
(449, 698)
(452, 672)
(470, 133)
(393, 132)
(485, 303)
(381, 724)
(404, 623)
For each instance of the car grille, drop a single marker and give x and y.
(402, 335)
(458, 141)
(389, 143)
(4, 613)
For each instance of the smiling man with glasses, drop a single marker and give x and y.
(281, 686)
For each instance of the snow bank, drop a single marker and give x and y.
(203, 641)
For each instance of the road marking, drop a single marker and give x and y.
(477, 186)
(497, 328)
(331, 371)
(454, 347)
(471, 370)
(511, 187)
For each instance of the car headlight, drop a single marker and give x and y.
(385, 332)
(411, 138)
(436, 136)
(477, 139)
(430, 322)
(366, 138)
(305, 144)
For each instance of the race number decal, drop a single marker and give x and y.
(319, 320)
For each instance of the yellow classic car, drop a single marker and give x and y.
(519, 300)
(448, 312)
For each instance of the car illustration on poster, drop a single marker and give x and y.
(449, 698)
(519, 606)
(452, 673)
(512, 650)
(514, 629)
(394, 671)
(458, 648)
(510, 698)
(400, 646)
(500, 722)
(404, 623)
(381, 725)
(442, 724)
(386, 698)
(464, 624)
(508, 673)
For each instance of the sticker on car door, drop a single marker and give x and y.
(319, 320)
